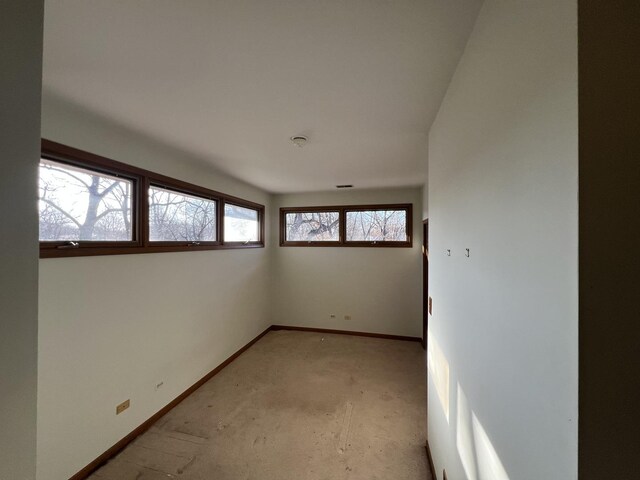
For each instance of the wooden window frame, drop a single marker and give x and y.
(342, 217)
(261, 221)
(142, 179)
(182, 188)
(310, 243)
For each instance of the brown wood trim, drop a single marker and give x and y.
(142, 180)
(425, 281)
(346, 332)
(261, 221)
(327, 243)
(50, 151)
(182, 188)
(337, 208)
(384, 244)
(342, 214)
(121, 444)
(312, 244)
(430, 459)
(143, 200)
(93, 251)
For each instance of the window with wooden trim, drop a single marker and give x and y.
(347, 226)
(178, 217)
(242, 224)
(379, 225)
(91, 205)
(79, 204)
(311, 226)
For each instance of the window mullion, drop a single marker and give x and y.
(220, 221)
(143, 215)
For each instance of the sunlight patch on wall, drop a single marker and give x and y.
(464, 437)
(479, 458)
(439, 367)
(489, 464)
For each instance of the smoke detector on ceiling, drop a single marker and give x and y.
(299, 140)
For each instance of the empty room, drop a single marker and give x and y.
(319, 239)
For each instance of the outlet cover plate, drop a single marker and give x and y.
(123, 406)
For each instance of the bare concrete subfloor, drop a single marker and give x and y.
(295, 406)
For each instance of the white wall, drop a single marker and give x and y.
(380, 288)
(113, 327)
(503, 167)
(20, 83)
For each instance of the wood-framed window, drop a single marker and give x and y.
(181, 216)
(92, 205)
(388, 225)
(312, 226)
(243, 223)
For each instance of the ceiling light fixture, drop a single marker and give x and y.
(299, 140)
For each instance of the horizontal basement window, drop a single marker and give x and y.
(313, 226)
(78, 204)
(347, 226)
(180, 217)
(92, 205)
(377, 226)
(241, 224)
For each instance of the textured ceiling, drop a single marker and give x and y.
(231, 80)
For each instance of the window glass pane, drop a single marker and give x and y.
(240, 224)
(80, 204)
(377, 225)
(178, 217)
(312, 226)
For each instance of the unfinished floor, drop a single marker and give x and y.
(296, 405)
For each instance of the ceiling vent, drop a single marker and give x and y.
(299, 140)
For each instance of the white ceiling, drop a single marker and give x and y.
(231, 80)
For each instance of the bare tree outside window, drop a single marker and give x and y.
(312, 226)
(175, 217)
(76, 204)
(377, 225)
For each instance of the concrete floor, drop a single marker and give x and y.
(295, 406)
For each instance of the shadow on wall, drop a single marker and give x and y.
(479, 458)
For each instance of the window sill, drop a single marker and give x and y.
(89, 251)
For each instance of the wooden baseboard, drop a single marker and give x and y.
(115, 449)
(121, 444)
(346, 332)
(430, 458)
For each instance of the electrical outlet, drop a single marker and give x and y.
(123, 406)
(347, 317)
(332, 315)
